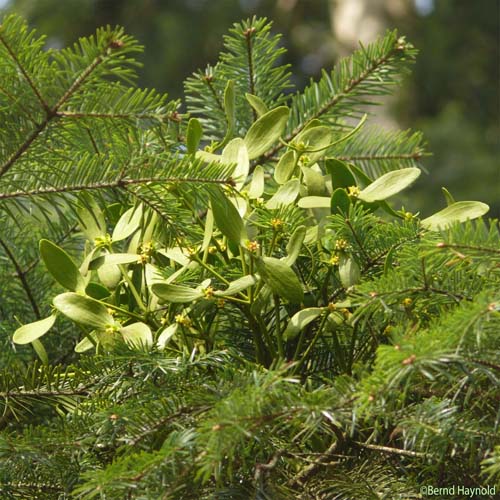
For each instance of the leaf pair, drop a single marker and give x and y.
(95, 314)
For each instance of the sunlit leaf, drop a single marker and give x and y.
(32, 331)
(266, 131)
(389, 184)
(459, 211)
(176, 293)
(83, 310)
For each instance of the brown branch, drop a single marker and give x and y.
(17, 102)
(358, 241)
(119, 183)
(483, 362)
(455, 296)
(38, 487)
(79, 81)
(417, 155)
(260, 468)
(208, 80)
(121, 116)
(394, 451)
(51, 113)
(24, 147)
(22, 278)
(163, 421)
(42, 393)
(251, 79)
(94, 144)
(300, 478)
(468, 247)
(403, 156)
(27, 77)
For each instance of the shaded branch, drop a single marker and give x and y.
(22, 278)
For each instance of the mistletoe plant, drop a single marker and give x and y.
(274, 217)
(253, 311)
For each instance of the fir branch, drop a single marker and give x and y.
(147, 431)
(248, 37)
(312, 468)
(24, 72)
(468, 247)
(24, 146)
(21, 275)
(208, 80)
(352, 81)
(16, 102)
(110, 116)
(51, 113)
(118, 183)
(417, 155)
(42, 393)
(392, 451)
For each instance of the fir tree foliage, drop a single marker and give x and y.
(228, 302)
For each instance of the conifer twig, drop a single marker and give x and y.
(22, 278)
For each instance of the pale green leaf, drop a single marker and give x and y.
(315, 202)
(238, 286)
(230, 105)
(300, 320)
(193, 135)
(137, 335)
(257, 103)
(208, 157)
(40, 351)
(281, 279)
(294, 245)
(236, 152)
(389, 184)
(349, 271)
(459, 211)
(226, 216)
(83, 310)
(109, 275)
(166, 335)
(86, 344)
(315, 140)
(314, 181)
(177, 254)
(447, 196)
(127, 224)
(91, 218)
(286, 194)
(32, 331)
(114, 258)
(207, 234)
(265, 131)
(256, 187)
(61, 266)
(285, 167)
(176, 293)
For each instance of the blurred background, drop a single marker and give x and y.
(453, 94)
